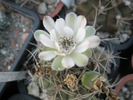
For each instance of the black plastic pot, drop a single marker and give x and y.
(23, 97)
(126, 64)
(21, 54)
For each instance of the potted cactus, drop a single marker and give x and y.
(113, 19)
(69, 63)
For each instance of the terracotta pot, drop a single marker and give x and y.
(123, 81)
(55, 12)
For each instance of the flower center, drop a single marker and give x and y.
(66, 44)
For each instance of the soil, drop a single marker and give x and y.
(13, 37)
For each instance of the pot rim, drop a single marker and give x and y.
(125, 45)
(123, 81)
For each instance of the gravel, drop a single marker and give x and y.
(126, 92)
(12, 37)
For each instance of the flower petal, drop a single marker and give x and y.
(48, 23)
(59, 26)
(94, 41)
(46, 41)
(56, 64)
(90, 31)
(82, 47)
(47, 49)
(80, 59)
(57, 46)
(67, 62)
(80, 35)
(70, 19)
(80, 22)
(53, 35)
(47, 55)
(38, 33)
(88, 53)
(68, 31)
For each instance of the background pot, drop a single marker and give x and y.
(55, 12)
(57, 9)
(21, 54)
(123, 81)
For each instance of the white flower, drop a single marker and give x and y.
(69, 41)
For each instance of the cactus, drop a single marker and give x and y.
(70, 64)
(112, 18)
(75, 83)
